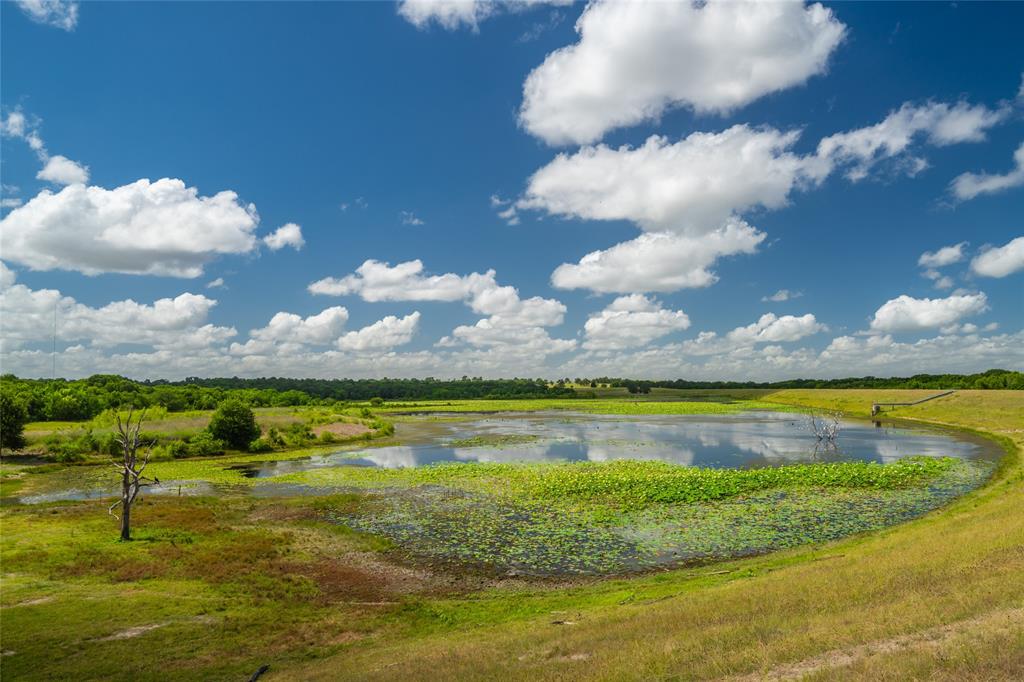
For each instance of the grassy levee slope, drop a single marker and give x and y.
(938, 598)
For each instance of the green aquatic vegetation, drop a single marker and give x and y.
(634, 484)
(596, 406)
(629, 484)
(492, 440)
(515, 535)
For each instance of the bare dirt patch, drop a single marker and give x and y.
(34, 602)
(132, 632)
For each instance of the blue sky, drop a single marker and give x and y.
(708, 158)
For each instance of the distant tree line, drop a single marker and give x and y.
(991, 379)
(75, 400)
(396, 389)
(65, 400)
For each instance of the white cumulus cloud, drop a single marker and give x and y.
(61, 170)
(702, 186)
(939, 123)
(1000, 261)
(770, 328)
(377, 281)
(658, 261)
(635, 60)
(692, 186)
(58, 169)
(175, 323)
(386, 333)
(905, 313)
(631, 321)
(322, 328)
(510, 319)
(969, 185)
(288, 234)
(158, 228)
(947, 255)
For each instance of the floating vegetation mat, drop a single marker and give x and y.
(514, 532)
(577, 518)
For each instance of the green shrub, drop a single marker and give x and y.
(298, 435)
(382, 427)
(178, 449)
(326, 438)
(376, 402)
(71, 448)
(108, 417)
(203, 444)
(108, 445)
(149, 438)
(13, 416)
(261, 445)
(234, 424)
(66, 455)
(161, 453)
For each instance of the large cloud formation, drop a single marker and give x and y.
(905, 313)
(178, 323)
(513, 323)
(634, 60)
(658, 261)
(155, 228)
(691, 197)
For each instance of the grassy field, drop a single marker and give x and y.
(217, 586)
(703, 403)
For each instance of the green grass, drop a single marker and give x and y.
(226, 582)
(48, 438)
(236, 582)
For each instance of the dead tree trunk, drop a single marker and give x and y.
(130, 468)
(126, 507)
(825, 428)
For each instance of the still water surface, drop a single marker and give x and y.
(748, 439)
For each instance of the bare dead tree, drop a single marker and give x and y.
(825, 427)
(130, 468)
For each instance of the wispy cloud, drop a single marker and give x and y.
(57, 13)
(410, 218)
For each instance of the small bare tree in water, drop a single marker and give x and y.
(825, 427)
(130, 468)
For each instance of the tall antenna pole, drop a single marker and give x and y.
(53, 354)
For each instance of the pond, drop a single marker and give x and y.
(492, 515)
(746, 439)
